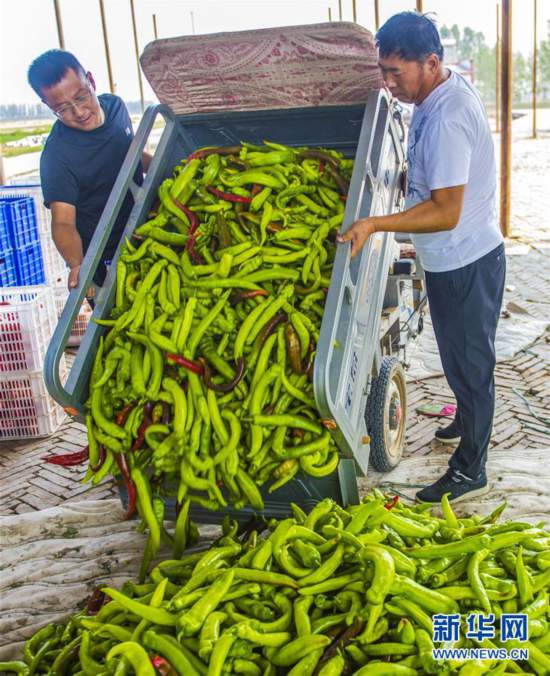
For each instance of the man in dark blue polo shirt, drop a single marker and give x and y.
(82, 156)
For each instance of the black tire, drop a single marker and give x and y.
(386, 415)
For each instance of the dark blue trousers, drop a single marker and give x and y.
(465, 308)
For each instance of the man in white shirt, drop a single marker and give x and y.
(451, 217)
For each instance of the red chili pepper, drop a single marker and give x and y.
(194, 224)
(122, 415)
(256, 188)
(188, 364)
(228, 196)
(268, 329)
(201, 154)
(321, 167)
(163, 667)
(391, 504)
(138, 443)
(166, 415)
(140, 438)
(239, 296)
(95, 601)
(225, 387)
(68, 459)
(130, 485)
(340, 181)
(102, 457)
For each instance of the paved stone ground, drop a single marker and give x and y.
(27, 483)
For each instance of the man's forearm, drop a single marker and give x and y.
(68, 243)
(422, 218)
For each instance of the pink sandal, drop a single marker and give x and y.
(437, 411)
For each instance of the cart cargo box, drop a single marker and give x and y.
(299, 86)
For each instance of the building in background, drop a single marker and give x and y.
(463, 66)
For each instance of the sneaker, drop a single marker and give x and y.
(457, 484)
(449, 434)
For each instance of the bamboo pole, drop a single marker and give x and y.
(339, 10)
(535, 69)
(419, 6)
(354, 5)
(329, 14)
(155, 32)
(376, 14)
(59, 23)
(506, 118)
(498, 48)
(106, 43)
(136, 45)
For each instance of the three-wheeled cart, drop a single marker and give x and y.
(299, 86)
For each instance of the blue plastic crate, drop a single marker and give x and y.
(30, 265)
(8, 271)
(5, 241)
(22, 223)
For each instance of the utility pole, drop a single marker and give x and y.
(339, 10)
(136, 45)
(376, 14)
(506, 118)
(155, 32)
(354, 11)
(59, 23)
(107, 51)
(535, 69)
(498, 48)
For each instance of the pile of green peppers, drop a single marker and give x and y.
(203, 380)
(336, 591)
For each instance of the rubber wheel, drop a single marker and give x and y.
(386, 415)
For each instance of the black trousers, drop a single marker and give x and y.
(465, 308)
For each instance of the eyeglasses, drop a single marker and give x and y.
(80, 100)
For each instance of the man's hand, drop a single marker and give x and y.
(358, 234)
(73, 277)
(73, 281)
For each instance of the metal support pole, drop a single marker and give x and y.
(136, 45)
(193, 22)
(329, 14)
(2, 171)
(535, 69)
(419, 6)
(155, 32)
(107, 51)
(59, 23)
(339, 10)
(376, 14)
(354, 11)
(498, 48)
(506, 118)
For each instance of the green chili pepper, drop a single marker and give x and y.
(293, 651)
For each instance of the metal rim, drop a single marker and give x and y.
(395, 406)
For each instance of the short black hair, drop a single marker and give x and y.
(409, 35)
(49, 68)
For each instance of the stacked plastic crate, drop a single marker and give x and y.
(27, 321)
(55, 269)
(20, 243)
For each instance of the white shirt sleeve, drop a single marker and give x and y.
(447, 155)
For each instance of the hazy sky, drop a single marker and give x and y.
(28, 28)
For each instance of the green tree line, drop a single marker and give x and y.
(472, 45)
